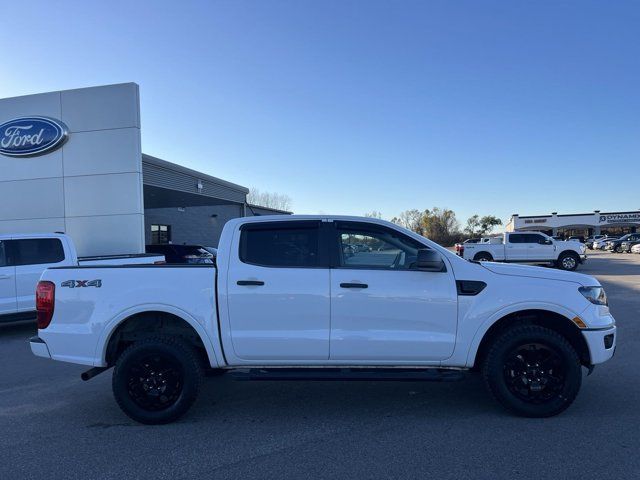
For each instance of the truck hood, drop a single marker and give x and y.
(540, 272)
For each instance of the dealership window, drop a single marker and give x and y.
(160, 234)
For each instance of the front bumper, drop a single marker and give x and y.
(39, 348)
(601, 343)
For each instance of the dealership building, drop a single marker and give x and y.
(71, 161)
(584, 224)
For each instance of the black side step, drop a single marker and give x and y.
(364, 374)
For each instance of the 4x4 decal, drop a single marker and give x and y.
(81, 283)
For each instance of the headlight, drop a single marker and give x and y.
(595, 295)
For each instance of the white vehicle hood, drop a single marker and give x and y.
(540, 272)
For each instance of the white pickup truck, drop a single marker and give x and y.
(527, 247)
(23, 258)
(290, 300)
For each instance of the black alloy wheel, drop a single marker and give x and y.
(154, 382)
(534, 373)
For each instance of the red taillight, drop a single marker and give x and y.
(45, 299)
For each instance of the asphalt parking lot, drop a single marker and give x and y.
(53, 425)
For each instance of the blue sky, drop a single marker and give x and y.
(351, 106)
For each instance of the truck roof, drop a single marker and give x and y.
(22, 236)
(291, 218)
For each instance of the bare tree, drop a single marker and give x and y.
(411, 220)
(278, 201)
(373, 214)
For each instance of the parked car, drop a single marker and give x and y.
(627, 245)
(288, 304)
(635, 248)
(602, 243)
(589, 241)
(529, 247)
(182, 253)
(623, 243)
(23, 258)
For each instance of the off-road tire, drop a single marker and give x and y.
(496, 371)
(185, 372)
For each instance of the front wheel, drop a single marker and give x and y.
(533, 371)
(568, 261)
(157, 379)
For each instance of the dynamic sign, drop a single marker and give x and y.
(620, 218)
(31, 136)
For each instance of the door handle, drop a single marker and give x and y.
(354, 285)
(246, 283)
(2, 277)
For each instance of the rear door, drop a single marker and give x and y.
(31, 257)
(517, 248)
(7, 282)
(383, 310)
(278, 293)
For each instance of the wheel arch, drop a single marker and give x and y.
(545, 317)
(152, 319)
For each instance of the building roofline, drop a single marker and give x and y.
(188, 171)
(71, 90)
(253, 205)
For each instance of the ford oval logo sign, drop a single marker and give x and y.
(30, 136)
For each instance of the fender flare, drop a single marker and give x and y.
(111, 326)
(508, 310)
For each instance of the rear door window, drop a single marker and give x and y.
(517, 238)
(37, 251)
(295, 244)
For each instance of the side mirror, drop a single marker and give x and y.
(545, 241)
(430, 261)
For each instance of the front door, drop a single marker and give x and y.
(517, 248)
(7, 282)
(278, 293)
(383, 310)
(537, 249)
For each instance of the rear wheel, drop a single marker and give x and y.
(483, 257)
(157, 379)
(568, 261)
(533, 371)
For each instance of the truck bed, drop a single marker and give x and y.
(86, 304)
